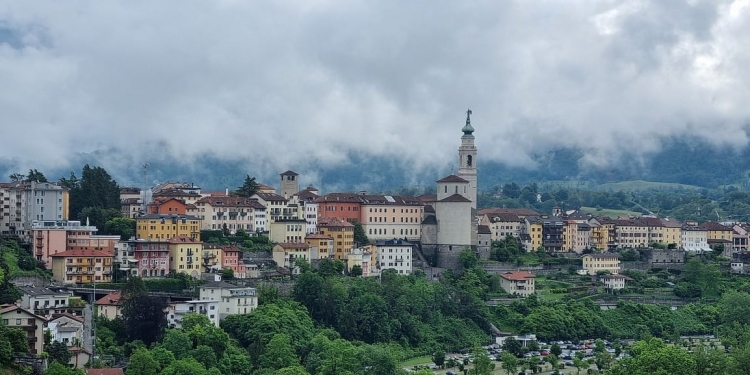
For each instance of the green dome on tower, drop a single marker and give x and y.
(468, 129)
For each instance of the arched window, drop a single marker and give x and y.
(468, 161)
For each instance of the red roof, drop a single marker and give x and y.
(317, 236)
(84, 253)
(333, 222)
(294, 245)
(456, 198)
(183, 239)
(112, 299)
(452, 178)
(517, 275)
(104, 371)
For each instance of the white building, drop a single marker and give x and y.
(26, 202)
(234, 212)
(306, 198)
(233, 299)
(395, 254)
(613, 282)
(520, 283)
(176, 311)
(67, 329)
(44, 301)
(694, 239)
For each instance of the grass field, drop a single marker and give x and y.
(609, 212)
(426, 360)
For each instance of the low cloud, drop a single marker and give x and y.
(309, 83)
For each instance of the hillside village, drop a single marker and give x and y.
(183, 230)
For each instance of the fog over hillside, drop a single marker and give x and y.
(374, 94)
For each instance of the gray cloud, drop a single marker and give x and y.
(294, 84)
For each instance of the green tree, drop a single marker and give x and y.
(99, 217)
(293, 370)
(482, 363)
(96, 188)
(579, 363)
(356, 271)
(555, 349)
(205, 355)
(178, 342)
(163, 356)
(512, 345)
(510, 363)
(653, 357)
(142, 315)
(186, 366)
(58, 352)
(35, 176)
(734, 307)
(360, 237)
(142, 362)
(330, 267)
(227, 274)
(439, 358)
(120, 226)
(16, 177)
(249, 188)
(56, 368)
(468, 258)
(193, 320)
(278, 353)
(235, 362)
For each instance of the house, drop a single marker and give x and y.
(344, 206)
(232, 299)
(694, 238)
(176, 311)
(360, 257)
(230, 259)
(44, 301)
(307, 199)
(320, 244)
(288, 230)
(233, 212)
(67, 329)
(518, 282)
(52, 237)
(394, 254)
(595, 263)
(15, 316)
(110, 306)
(385, 217)
(82, 266)
(503, 224)
(79, 357)
(614, 282)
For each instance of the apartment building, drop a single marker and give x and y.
(321, 245)
(598, 262)
(342, 233)
(285, 254)
(385, 217)
(395, 254)
(186, 254)
(234, 212)
(176, 312)
(631, 233)
(288, 230)
(306, 198)
(503, 224)
(45, 301)
(110, 306)
(26, 202)
(232, 299)
(82, 266)
(152, 258)
(230, 259)
(164, 227)
(694, 238)
(275, 207)
(344, 206)
(360, 257)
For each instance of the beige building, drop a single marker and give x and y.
(321, 245)
(82, 266)
(631, 233)
(32, 324)
(342, 233)
(286, 253)
(186, 255)
(110, 306)
(234, 212)
(385, 217)
(288, 230)
(518, 282)
(594, 263)
(502, 224)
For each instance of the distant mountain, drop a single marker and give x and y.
(681, 161)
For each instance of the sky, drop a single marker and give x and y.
(292, 84)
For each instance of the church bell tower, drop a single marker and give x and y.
(467, 160)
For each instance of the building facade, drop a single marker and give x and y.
(82, 266)
(519, 283)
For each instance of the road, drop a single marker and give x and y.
(88, 324)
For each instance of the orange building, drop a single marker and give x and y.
(230, 258)
(167, 206)
(321, 242)
(342, 233)
(345, 206)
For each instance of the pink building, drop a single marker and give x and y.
(52, 237)
(152, 258)
(230, 258)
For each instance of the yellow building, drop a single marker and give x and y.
(342, 233)
(594, 263)
(570, 236)
(599, 236)
(321, 243)
(186, 254)
(164, 226)
(534, 225)
(82, 266)
(33, 325)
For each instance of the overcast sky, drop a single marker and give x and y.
(291, 83)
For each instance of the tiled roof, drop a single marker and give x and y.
(318, 236)
(429, 220)
(713, 226)
(340, 197)
(603, 255)
(393, 242)
(504, 217)
(167, 217)
(230, 202)
(104, 371)
(333, 222)
(452, 178)
(293, 245)
(390, 200)
(271, 197)
(456, 198)
(67, 315)
(10, 308)
(289, 173)
(41, 291)
(307, 194)
(175, 193)
(83, 253)
(112, 299)
(517, 275)
(183, 239)
(427, 198)
(518, 211)
(483, 229)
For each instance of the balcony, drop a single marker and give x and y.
(39, 236)
(208, 255)
(29, 328)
